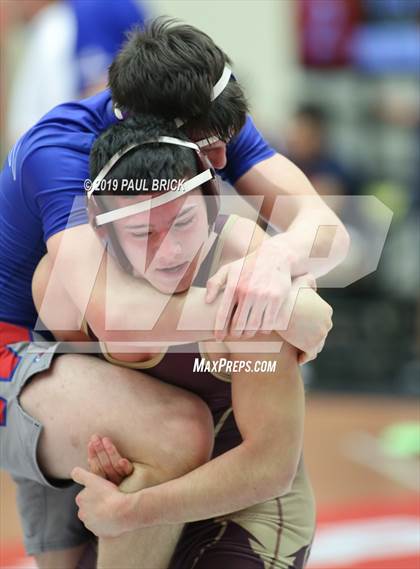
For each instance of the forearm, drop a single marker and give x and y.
(314, 238)
(317, 241)
(248, 476)
(180, 318)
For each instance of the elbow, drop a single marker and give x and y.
(275, 473)
(282, 483)
(279, 480)
(344, 242)
(273, 486)
(340, 244)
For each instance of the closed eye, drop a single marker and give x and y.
(141, 235)
(185, 223)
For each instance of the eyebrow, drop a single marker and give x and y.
(186, 210)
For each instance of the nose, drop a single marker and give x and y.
(169, 250)
(217, 156)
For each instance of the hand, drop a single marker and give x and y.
(305, 319)
(102, 508)
(105, 460)
(256, 287)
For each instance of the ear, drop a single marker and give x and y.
(94, 208)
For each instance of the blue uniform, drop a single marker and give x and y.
(46, 170)
(99, 34)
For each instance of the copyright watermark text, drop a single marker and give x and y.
(126, 185)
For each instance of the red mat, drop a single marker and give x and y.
(368, 536)
(358, 536)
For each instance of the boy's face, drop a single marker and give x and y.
(216, 153)
(213, 148)
(163, 243)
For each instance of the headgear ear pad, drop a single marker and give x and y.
(210, 190)
(107, 233)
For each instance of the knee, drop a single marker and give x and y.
(188, 444)
(191, 439)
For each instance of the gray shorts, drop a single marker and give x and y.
(47, 507)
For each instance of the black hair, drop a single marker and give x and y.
(146, 162)
(169, 69)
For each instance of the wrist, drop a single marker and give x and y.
(284, 252)
(134, 514)
(144, 509)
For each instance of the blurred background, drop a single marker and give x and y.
(334, 85)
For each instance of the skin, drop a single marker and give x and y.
(54, 399)
(299, 250)
(281, 404)
(80, 249)
(48, 450)
(166, 236)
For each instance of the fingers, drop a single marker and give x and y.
(126, 466)
(81, 476)
(93, 461)
(256, 292)
(320, 347)
(255, 317)
(240, 317)
(224, 313)
(105, 458)
(123, 466)
(271, 315)
(216, 283)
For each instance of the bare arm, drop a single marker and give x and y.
(269, 411)
(127, 302)
(315, 239)
(304, 319)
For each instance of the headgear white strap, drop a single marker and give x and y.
(177, 142)
(207, 141)
(140, 207)
(218, 88)
(221, 84)
(114, 159)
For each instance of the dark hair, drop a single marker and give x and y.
(169, 69)
(148, 162)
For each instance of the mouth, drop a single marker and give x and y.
(174, 271)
